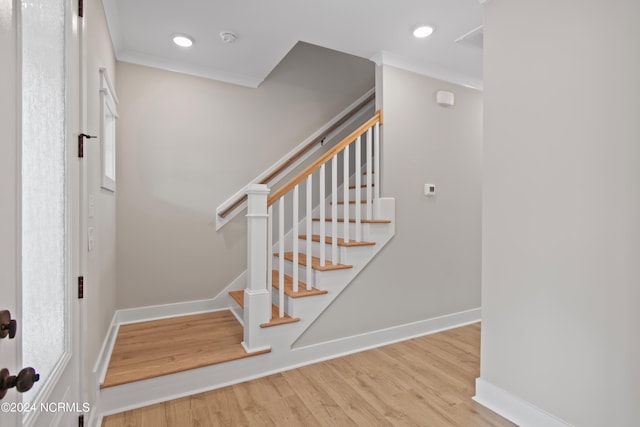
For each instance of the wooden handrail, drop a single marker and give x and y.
(273, 197)
(291, 160)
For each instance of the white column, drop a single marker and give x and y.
(257, 306)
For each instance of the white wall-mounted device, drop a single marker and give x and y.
(445, 99)
(429, 190)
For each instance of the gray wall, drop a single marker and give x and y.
(186, 144)
(100, 277)
(432, 265)
(561, 207)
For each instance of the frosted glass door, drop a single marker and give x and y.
(44, 190)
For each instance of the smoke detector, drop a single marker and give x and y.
(228, 36)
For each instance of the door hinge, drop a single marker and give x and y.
(80, 287)
(81, 138)
(81, 420)
(81, 8)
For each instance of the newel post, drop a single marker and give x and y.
(257, 299)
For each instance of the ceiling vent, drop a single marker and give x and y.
(473, 38)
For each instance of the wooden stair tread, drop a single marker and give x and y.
(288, 286)
(315, 262)
(364, 221)
(161, 347)
(238, 296)
(353, 187)
(341, 242)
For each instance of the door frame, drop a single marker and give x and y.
(10, 217)
(9, 184)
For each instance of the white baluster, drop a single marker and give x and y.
(309, 231)
(369, 176)
(270, 252)
(358, 169)
(334, 209)
(295, 238)
(345, 185)
(323, 218)
(281, 258)
(376, 153)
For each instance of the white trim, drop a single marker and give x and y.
(108, 116)
(514, 408)
(369, 340)
(107, 84)
(434, 71)
(174, 386)
(254, 350)
(220, 222)
(102, 362)
(139, 58)
(155, 312)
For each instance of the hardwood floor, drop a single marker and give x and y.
(426, 381)
(160, 347)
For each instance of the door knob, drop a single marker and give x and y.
(22, 382)
(8, 326)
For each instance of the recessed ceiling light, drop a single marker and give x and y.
(423, 31)
(183, 40)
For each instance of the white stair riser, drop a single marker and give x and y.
(352, 210)
(339, 231)
(316, 250)
(288, 269)
(238, 312)
(363, 179)
(352, 193)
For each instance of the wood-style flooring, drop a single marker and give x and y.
(426, 381)
(160, 347)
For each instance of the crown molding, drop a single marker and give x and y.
(434, 71)
(139, 58)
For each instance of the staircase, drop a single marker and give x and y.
(313, 253)
(306, 242)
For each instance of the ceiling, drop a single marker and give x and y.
(380, 30)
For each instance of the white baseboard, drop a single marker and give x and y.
(100, 367)
(174, 386)
(356, 343)
(513, 408)
(155, 312)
